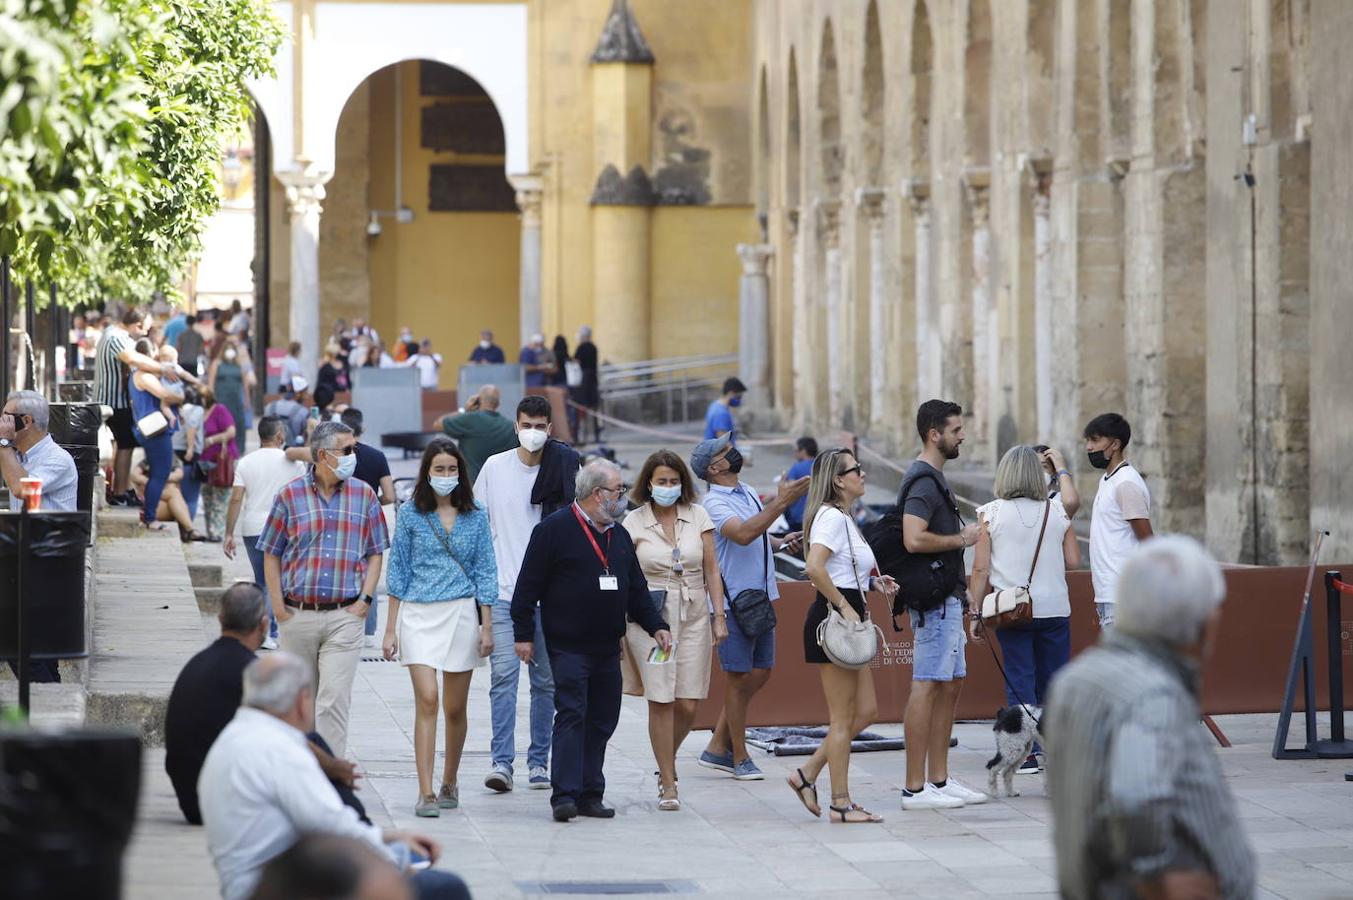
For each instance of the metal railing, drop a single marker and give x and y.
(664, 387)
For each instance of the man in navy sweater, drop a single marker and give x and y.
(583, 572)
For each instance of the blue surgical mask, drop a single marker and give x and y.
(346, 466)
(735, 400)
(665, 495)
(443, 484)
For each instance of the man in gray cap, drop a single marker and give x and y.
(746, 562)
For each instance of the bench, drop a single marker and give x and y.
(412, 443)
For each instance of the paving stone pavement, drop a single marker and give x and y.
(748, 840)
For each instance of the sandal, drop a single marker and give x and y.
(842, 813)
(668, 804)
(805, 785)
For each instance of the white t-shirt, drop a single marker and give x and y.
(427, 365)
(1122, 497)
(1014, 526)
(262, 474)
(504, 489)
(838, 532)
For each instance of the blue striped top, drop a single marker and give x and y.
(421, 571)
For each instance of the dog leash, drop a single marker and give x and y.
(994, 658)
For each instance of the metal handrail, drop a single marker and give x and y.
(612, 372)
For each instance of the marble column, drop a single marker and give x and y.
(984, 332)
(871, 202)
(529, 197)
(754, 321)
(927, 335)
(837, 357)
(1043, 306)
(799, 323)
(305, 194)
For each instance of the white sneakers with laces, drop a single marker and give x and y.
(930, 797)
(960, 791)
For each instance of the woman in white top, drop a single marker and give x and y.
(1004, 551)
(840, 565)
(674, 541)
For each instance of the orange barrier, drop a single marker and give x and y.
(1246, 673)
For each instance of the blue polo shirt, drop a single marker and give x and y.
(752, 566)
(718, 419)
(794, 514)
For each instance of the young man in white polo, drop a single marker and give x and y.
(1121, 515)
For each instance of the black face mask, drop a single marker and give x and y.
(1099, 459)
(734, 460)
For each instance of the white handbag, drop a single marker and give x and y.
(152, 424)
(850, 645)
(573, 373)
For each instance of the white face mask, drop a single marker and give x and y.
(532, 439)
(229, 355)
(485, 344)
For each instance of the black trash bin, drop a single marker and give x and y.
(67, 809)
(75, 424)
(87, 470)
(54, 585)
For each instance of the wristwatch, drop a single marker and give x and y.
(365, 598)
(6, 443)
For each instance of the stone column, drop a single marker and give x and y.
(927, 337)
(754, 321)
(529, 202)
(621, 264)
(305, 194)
(799, 322)
(1043, 306)
(984, 332)
(836, 359)
(871, 203)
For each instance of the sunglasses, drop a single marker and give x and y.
(854, 468)
(346, 451)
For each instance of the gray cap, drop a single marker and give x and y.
(704, 454)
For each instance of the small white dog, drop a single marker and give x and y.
(1015, 734)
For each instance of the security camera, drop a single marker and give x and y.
(373, 226)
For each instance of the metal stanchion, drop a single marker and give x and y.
(21, 629)
(5, 321)
(1336, 747)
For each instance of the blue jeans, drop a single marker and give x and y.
(587, 696)
(503, 694)
(371, 617)
(1033, 652)
(256, 561)
(190, 487)
(160, 455)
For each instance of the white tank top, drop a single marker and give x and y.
(1112, 540)
(1014, 526)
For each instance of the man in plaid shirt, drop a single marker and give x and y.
(323, 543)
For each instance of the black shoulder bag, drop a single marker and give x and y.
(752, 608)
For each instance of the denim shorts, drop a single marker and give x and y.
(938, 649)
(739, 653)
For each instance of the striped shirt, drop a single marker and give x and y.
(324, 544)
(110, 372)
(1136, 788)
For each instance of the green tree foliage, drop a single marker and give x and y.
(115, 113)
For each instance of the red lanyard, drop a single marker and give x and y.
(591, 539)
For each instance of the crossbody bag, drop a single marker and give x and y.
(851, 645)
(1013, 606)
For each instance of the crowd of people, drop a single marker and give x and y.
(515, 550)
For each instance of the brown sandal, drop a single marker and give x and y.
(864, 816)
(805, 785)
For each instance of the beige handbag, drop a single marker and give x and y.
(851, 645)
(1011, 606)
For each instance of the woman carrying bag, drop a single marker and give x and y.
(840, 565)
(219, 455)
(443, 582)
(1023, 553)
(674, 541)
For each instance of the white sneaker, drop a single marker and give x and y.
(370, 642)
(930, 797)
(270, 643)
(960, 791)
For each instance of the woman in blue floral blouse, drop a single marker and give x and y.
(442, 586)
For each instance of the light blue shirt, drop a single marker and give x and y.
(421, 571)
(49, 461)
(718, 419)
(742, 567)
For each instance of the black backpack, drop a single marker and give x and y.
(925, 580)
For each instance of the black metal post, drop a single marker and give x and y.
(5, 317)
(1336, 663)
(54, 318)
(29, 326)
(21, 632)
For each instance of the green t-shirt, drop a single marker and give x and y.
(480, 434)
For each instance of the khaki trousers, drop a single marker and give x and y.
(331, 644)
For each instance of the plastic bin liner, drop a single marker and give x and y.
(54, 584)
(75, 391)
(86, 469)
(76, 423)
(67, 807)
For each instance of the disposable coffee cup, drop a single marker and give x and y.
(32, 492)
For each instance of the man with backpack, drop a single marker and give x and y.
(932, 585)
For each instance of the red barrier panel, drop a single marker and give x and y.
(1245, 674)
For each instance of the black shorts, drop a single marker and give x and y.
(121, 424)
(817, 613)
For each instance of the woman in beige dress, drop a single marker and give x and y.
(674, 540)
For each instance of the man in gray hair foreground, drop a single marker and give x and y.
(1140, 805)
(27, 450)
(261, 788)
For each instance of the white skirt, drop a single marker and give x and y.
(442, 635)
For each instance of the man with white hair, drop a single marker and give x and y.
(28, 451)
(585, 576)
(1140, 805)
(261, 787)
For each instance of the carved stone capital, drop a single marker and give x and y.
(755, 258)
(792, 222)
(633, 189)
(917, 192)
(872, 202)
(979, 203)
(530, 195)
(829, 220)
(305, 187)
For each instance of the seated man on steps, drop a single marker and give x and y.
(207, 694)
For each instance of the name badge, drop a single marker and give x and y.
(608, 583)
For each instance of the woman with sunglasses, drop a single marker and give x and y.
(674, 540)
(840, 565)
(442, 585)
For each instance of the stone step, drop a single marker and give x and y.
(119, 522)
(209, 598)
(204, 575)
